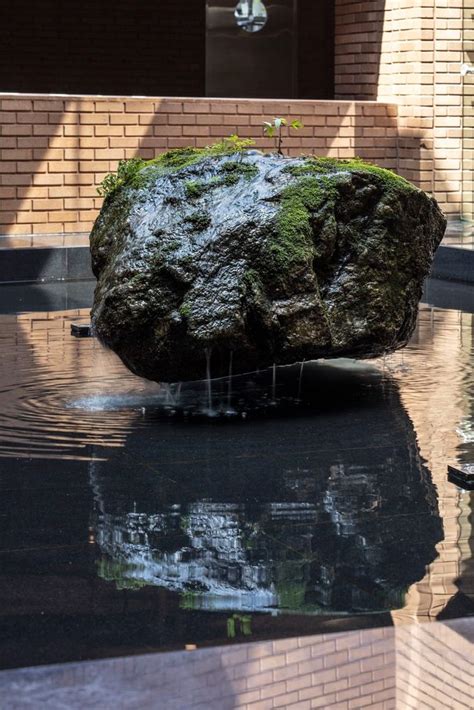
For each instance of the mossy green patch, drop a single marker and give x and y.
(314, 165)
(132, 172)
(127, 172)
(252, 281)
(184, 310)
(195, 189)
(240, 168)
(293, 243)
(252, 277)
(198, 221)
(166, 248)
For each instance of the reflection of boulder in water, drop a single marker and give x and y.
(312, 513)
(200, 550)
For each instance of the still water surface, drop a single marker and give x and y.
(315, 501)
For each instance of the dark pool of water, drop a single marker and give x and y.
(132, 523)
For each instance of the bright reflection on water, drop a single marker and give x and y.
(319, 498)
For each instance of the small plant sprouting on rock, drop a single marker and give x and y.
(273, 130)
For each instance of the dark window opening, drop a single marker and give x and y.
(285, 49)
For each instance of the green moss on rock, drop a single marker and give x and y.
(293, 241)
(184, 310)
(229, 174)
(236, 170)
(314, 165)
(198, 221)
(136, 172)
(195, 189)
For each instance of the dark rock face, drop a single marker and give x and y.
(275, 259)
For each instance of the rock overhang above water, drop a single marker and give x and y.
(275, 259)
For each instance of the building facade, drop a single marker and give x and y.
(387, 80)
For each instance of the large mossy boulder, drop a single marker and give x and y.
(203, 253)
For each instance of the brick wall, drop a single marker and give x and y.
(151, 47)
(402, 52)
(358, 30)
(412, 667)
(434, 667)
(468, 111)
(55, 151)
(410, 52)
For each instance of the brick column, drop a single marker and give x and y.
(409, 52)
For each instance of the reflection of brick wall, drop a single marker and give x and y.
(436, 419)
(55, 151)
(410, 53)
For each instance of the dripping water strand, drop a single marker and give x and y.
(229, 384)
(208, 352)
(300, 382)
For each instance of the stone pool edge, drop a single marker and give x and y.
(72, 263)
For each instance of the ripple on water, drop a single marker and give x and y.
(58, 392)
(340, 486)
(42, 373)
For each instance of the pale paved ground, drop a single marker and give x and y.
(422, 666)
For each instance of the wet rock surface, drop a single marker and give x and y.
(273, 259)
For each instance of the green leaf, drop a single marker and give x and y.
(296, 124)
(246, 625)
(269, 131)
(279, 122)
(230, 628)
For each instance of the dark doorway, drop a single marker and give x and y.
(278, 49)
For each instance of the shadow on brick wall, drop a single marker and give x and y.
(56, 151)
